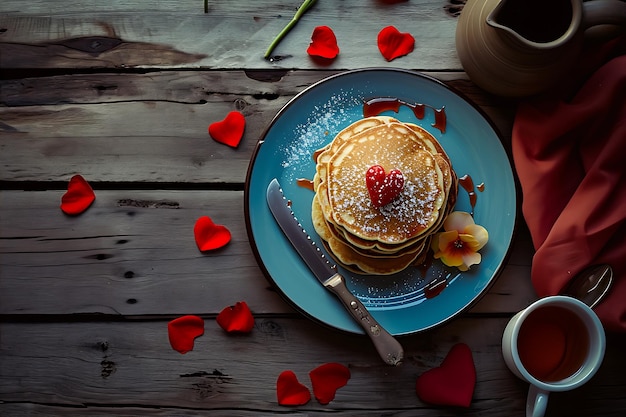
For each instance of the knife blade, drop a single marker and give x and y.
(389, 349)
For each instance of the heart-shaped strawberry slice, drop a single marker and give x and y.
(393, 44)
(209, 235)
(236, 319)
(323, 43)
(78, 197)
(230, 130)
(383, 188)
(183, 331)
(327, 379)
(453, 382)
(290, 391)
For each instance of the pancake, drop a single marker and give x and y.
(412, 213)
(383, 240)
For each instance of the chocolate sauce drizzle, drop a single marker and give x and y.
(377, 105)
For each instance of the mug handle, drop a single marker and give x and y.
(537, 402)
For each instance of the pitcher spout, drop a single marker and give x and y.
(529, 22)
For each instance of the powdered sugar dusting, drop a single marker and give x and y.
(319, 128)
(414, 210)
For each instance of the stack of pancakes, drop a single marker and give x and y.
(381, 240)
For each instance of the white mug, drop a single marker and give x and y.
(555, 344)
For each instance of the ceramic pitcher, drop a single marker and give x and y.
(522, 47)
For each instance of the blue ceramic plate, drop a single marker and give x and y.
(403, 303)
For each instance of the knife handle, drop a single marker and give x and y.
(389, 349)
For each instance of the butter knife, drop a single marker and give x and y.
(387, 346)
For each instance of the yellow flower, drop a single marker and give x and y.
(459, 243)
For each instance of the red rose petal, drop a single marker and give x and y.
(290, 391)
(327, 379)
(237, 318)
(209, 235)
(183, 331)
(453, 382)
(393, 44)
(78, 197)
(323, 43)
(230, 130)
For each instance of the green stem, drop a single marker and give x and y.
(303, 8)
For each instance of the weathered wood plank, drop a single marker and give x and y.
(133, 253)
(153, 127)
(87, 368)
(233, 34)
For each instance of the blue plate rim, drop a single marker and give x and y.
(348, 73)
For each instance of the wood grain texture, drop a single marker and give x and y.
(88, 368)
(233, 34)
(122, 92)
(153, 127)
(133, 254)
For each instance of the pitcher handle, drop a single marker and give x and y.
(608, 15)
(537, 402)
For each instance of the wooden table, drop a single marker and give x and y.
(122, 93)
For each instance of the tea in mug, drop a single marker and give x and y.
(553, 343)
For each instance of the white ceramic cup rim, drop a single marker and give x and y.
(596, 348)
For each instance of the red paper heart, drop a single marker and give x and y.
(78, 197)
(230, 130)
(209, 235)
(327, 379)
(393, 44)
(183, 331)
(237, 318)
(323, 43)
(453, 382)
(383, 188)
(290, 391)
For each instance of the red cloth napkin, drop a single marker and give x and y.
(569, 150)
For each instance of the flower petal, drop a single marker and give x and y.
(236, 319)
(289, 391)
(229, 131)
(210, 236)
(393, 44)
(470, 244)
(323, 43)
(183, 331)
(327, 379)
(471, 258)
(451, 259)
(78, 197)
(453, 382)
(479, 233)
(458, 220)
(445, 239)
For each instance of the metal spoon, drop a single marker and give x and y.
(591, 284)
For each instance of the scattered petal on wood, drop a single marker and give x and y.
(453, 382)
(289, 391)
(183, 331)
(393, 44)
(210, 236)
(323, 43)
(327, 379)
(229, 131)
(78, 197)
(236, 319)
